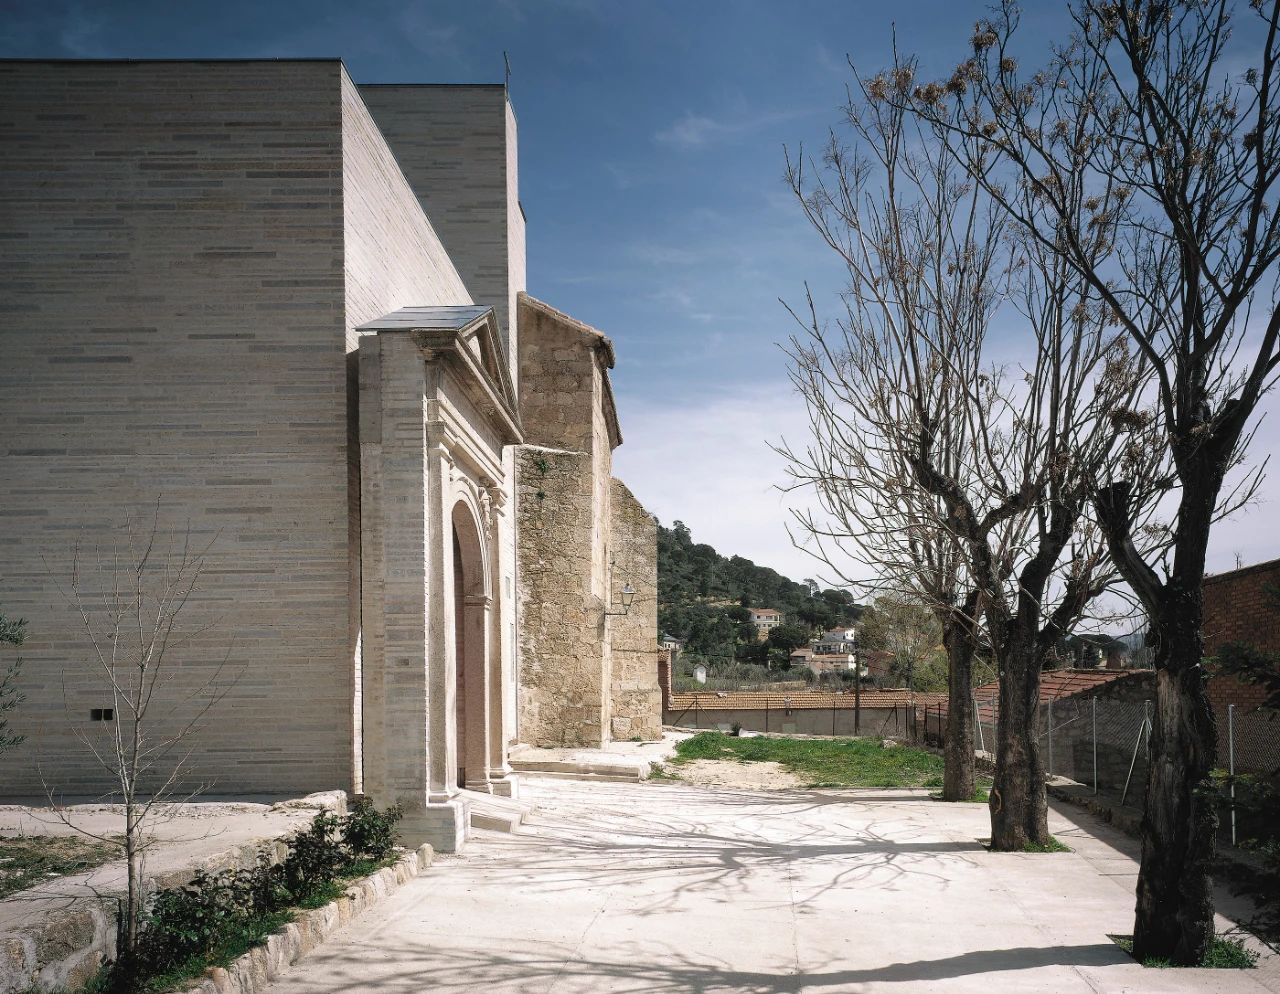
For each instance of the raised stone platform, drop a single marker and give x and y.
(620, 762)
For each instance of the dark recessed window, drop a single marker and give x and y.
(102, 714)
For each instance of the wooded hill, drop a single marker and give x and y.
(702, 596)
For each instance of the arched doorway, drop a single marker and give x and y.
(470, 633)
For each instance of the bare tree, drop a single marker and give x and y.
(1146, 156)
(962, 480)
(129, 604)
(13, 631)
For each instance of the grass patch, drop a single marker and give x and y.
(660, 771)
(26, 861)
(1053, 845)
(980, 796)
(822, 762)
(1223, 954)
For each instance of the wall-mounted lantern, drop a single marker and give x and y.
(627, 595)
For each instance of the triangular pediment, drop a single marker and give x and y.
(468, 335)
(482, 340)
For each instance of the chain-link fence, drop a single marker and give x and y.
(1104, 744)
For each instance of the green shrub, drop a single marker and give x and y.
(370, 833)
(316, 856)
(219, 916)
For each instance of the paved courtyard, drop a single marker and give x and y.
(673, 888)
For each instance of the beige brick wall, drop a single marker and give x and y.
(173, 331)
(188, 249)
(457, 147)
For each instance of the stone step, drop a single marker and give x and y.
(628, 777)
(627, 769)
(497, 814)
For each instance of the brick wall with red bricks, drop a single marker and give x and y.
(1241, 606)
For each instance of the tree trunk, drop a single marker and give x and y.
(1019, 807)
(1174, 918)
(958, 774)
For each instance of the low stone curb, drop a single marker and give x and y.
(263, 964)
(1125, 821)
(64, 947)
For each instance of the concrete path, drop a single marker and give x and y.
(650, 888)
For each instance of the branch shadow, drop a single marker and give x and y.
(655, 968)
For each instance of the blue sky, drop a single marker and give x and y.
(651, 158)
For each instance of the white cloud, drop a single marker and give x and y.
(697, 130)
(707, 462)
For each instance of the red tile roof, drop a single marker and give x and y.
(735, 700)
(1054, 685)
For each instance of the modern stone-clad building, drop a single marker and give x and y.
(275, 312)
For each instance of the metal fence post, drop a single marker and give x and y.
(1050, 736)
(1094, 701)
(977, 719)
(1231, 764)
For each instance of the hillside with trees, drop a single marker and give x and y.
(703, 599)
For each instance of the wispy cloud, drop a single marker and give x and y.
(697, 130)
(423, 30)
(80, 35)
(708, 463)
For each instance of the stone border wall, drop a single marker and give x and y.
(63, 948)
(263, 964)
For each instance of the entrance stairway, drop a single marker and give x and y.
(581, 764)
(497, 814)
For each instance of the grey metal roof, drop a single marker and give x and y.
(451, 318)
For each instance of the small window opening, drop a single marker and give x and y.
(102, 714)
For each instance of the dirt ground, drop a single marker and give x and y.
(727, 773)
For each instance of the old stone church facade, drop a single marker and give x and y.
(286, 314)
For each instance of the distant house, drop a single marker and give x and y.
(833, 662)
(825, 662)
(766, 619)
(838, 640)
(669, 642)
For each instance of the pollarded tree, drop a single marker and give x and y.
(1146, 155)
(959, 480)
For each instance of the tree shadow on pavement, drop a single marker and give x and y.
(536, 967)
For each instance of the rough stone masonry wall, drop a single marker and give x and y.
(173, 329)
(635, 701)
(563, 662)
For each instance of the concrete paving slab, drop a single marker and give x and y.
(644, 888)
